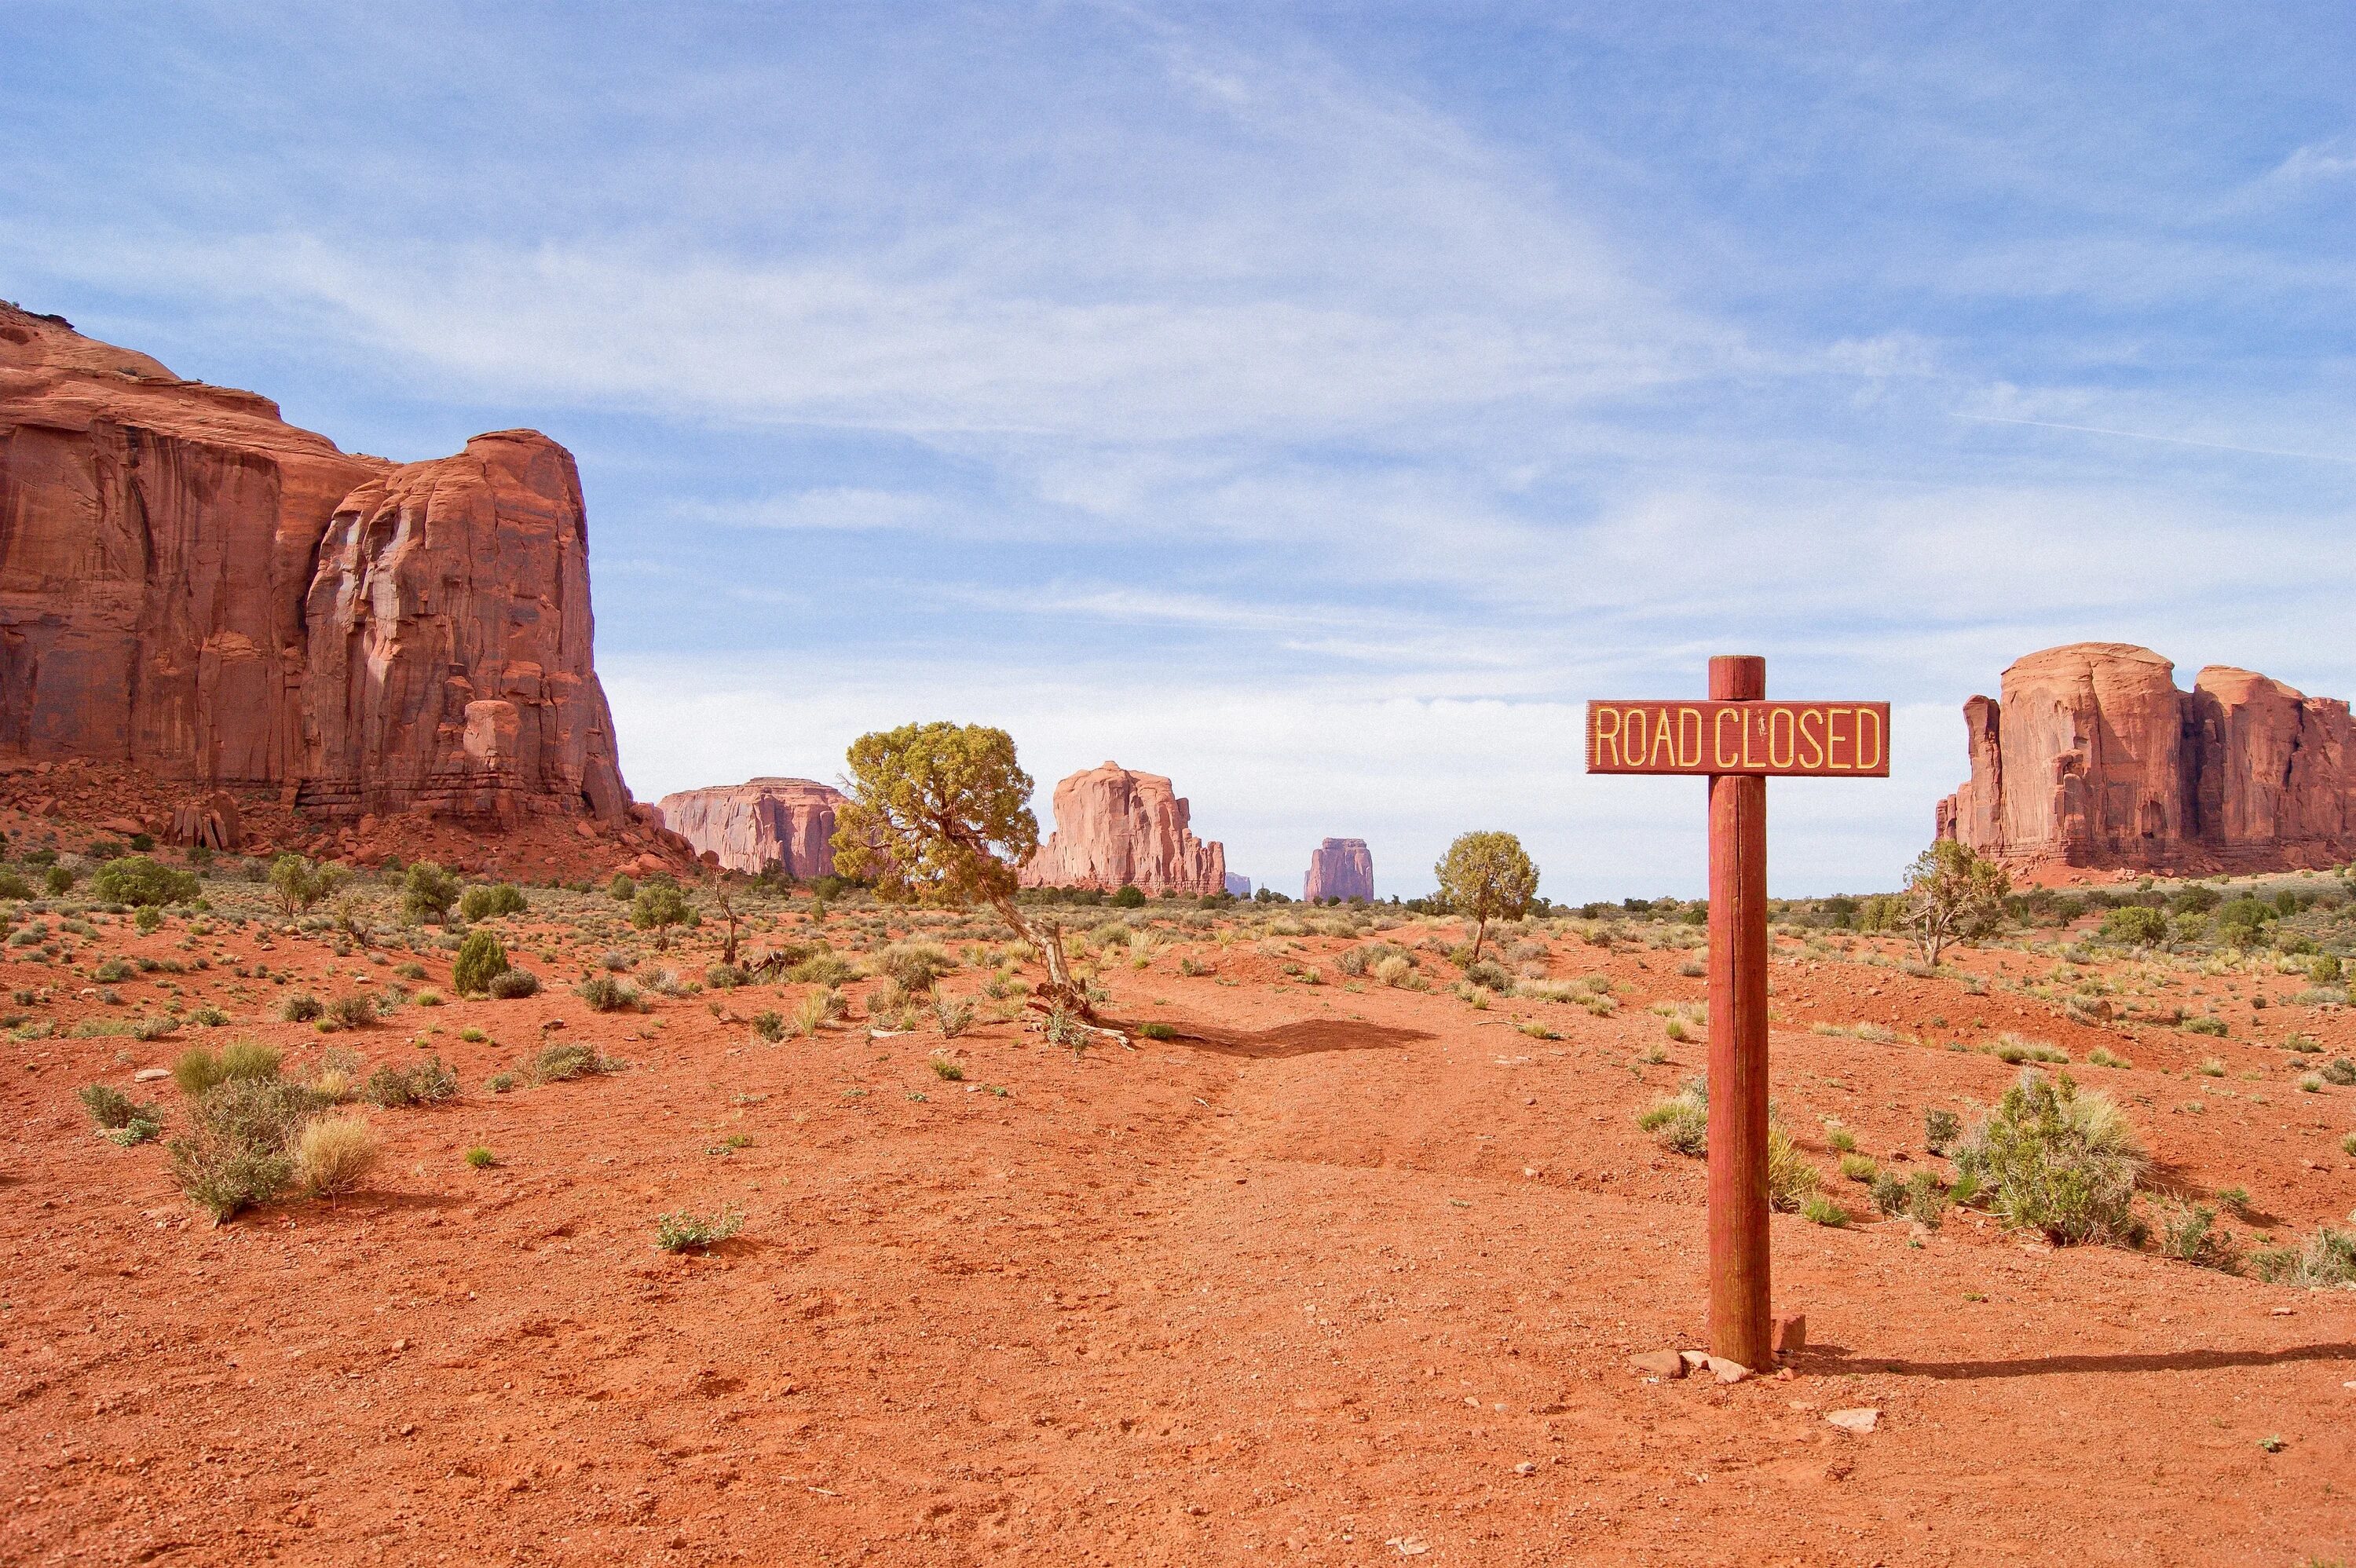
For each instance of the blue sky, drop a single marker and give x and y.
(1316, 404)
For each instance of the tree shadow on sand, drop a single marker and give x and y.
(1838, 1359)
(1306, 1038)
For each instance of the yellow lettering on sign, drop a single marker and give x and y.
(1808, 741)
(1779, 717)
(1665, 742)
(1724, 762)
(1748, 728)
(1867, 717)
(1688, 759)
(1833, 738)
(1606, 732)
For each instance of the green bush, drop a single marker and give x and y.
(2324, 970)
(658, 906)
(480, 958)
(488, 902)
(299, 883)
(569, 1059)
(429, 1082)
(770, 1025)
(2207, 1024)
(239, 1148)
(138, 881)
(118, 1117)
(681, 1230)
(356, 1010)
(2330, 1258)
(1680, 1124)
(914, 966)
(427, 893)
(2058, 1159)
(301, 1007)
(822, 969)
(1129, 897)
(2135, 926)
(149, 921)
(13, 886)
(606, 995)
(621, 890)
(726, 977)
(58, 880)
(2242, 922)
(1940, 1128)
(514, 984)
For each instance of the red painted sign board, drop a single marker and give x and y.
(1763, 740)
(1739, 740)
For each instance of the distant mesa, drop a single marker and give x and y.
(787, 823)
(1239, 885)
(2093, 758)
(1340, 868)
(1117, 828)
(198, 594)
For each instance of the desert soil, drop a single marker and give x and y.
(1340, 1273)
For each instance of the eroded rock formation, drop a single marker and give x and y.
(787, 823)
(2094, 758)
(1340, 868)
(193, 587)
(1117, 828)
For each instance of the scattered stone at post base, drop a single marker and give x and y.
(1694, 1360)
(1658, 1364)
(1858, 1421)
(1728, 1371)
(1791, 1333)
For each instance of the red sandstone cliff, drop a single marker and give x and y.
(1115, 828)
(194, 588)
(1340, 868)
(2094, 758)
(786, 822)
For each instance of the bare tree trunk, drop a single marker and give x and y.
(1060, 988)
(1479, 930)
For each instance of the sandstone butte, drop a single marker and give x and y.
(195, 591)
(2093, 757)
(786, 823)
(1115, 828)
(1340, 868)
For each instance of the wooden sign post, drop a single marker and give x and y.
(1739, 740)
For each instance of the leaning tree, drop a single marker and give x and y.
(940, 814)
(1487, 875)
(1953, 895)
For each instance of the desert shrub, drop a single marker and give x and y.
(1395, 970)
(1129, 897)
(299, 883)
(2324, 970)
(238, 1150)
(606, 995)
(1858, 1167)
(427, 893)
(1156, 1031)
(955, 1017)
(822, 969)
(2190, 1234)
(333, 1154)
(1940, 1128)
(1680, 1124)
(2135, 926)
(658, 906)
(1490, 974)
(726, 977)
(2340, 1071)
(914, 965)
(411, 970)
(514, 984)
(770, 1025)
(140, 881)
(249, 1058)
(479, 1157)
(480, 958)
(2058, 1159)
(1791, 1178)
(489, 902)
(117, 1117)
(356, 1010)
(2328, 1259)
(2242, 922)
(569, 1059)
(1887, 1191)
(2207, 1024)
(947, 1069)
(815, 1009)
(681, 1232)
(197, 1070)
(113, 969)
(58, 880)
(1822, 1211)
(301, 1007)
(336, 1078)
(148, 920)
(13, 886)
(429, 1082)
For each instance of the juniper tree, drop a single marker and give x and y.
(1487, 875)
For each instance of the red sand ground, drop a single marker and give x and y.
(1334, 1277)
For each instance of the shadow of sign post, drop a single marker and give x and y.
(1738, 740)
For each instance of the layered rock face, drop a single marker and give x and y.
(1115, 828)
(1239, 885)
(193, 587)
(1340, 868)
(787, 823)
(2094, 758)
